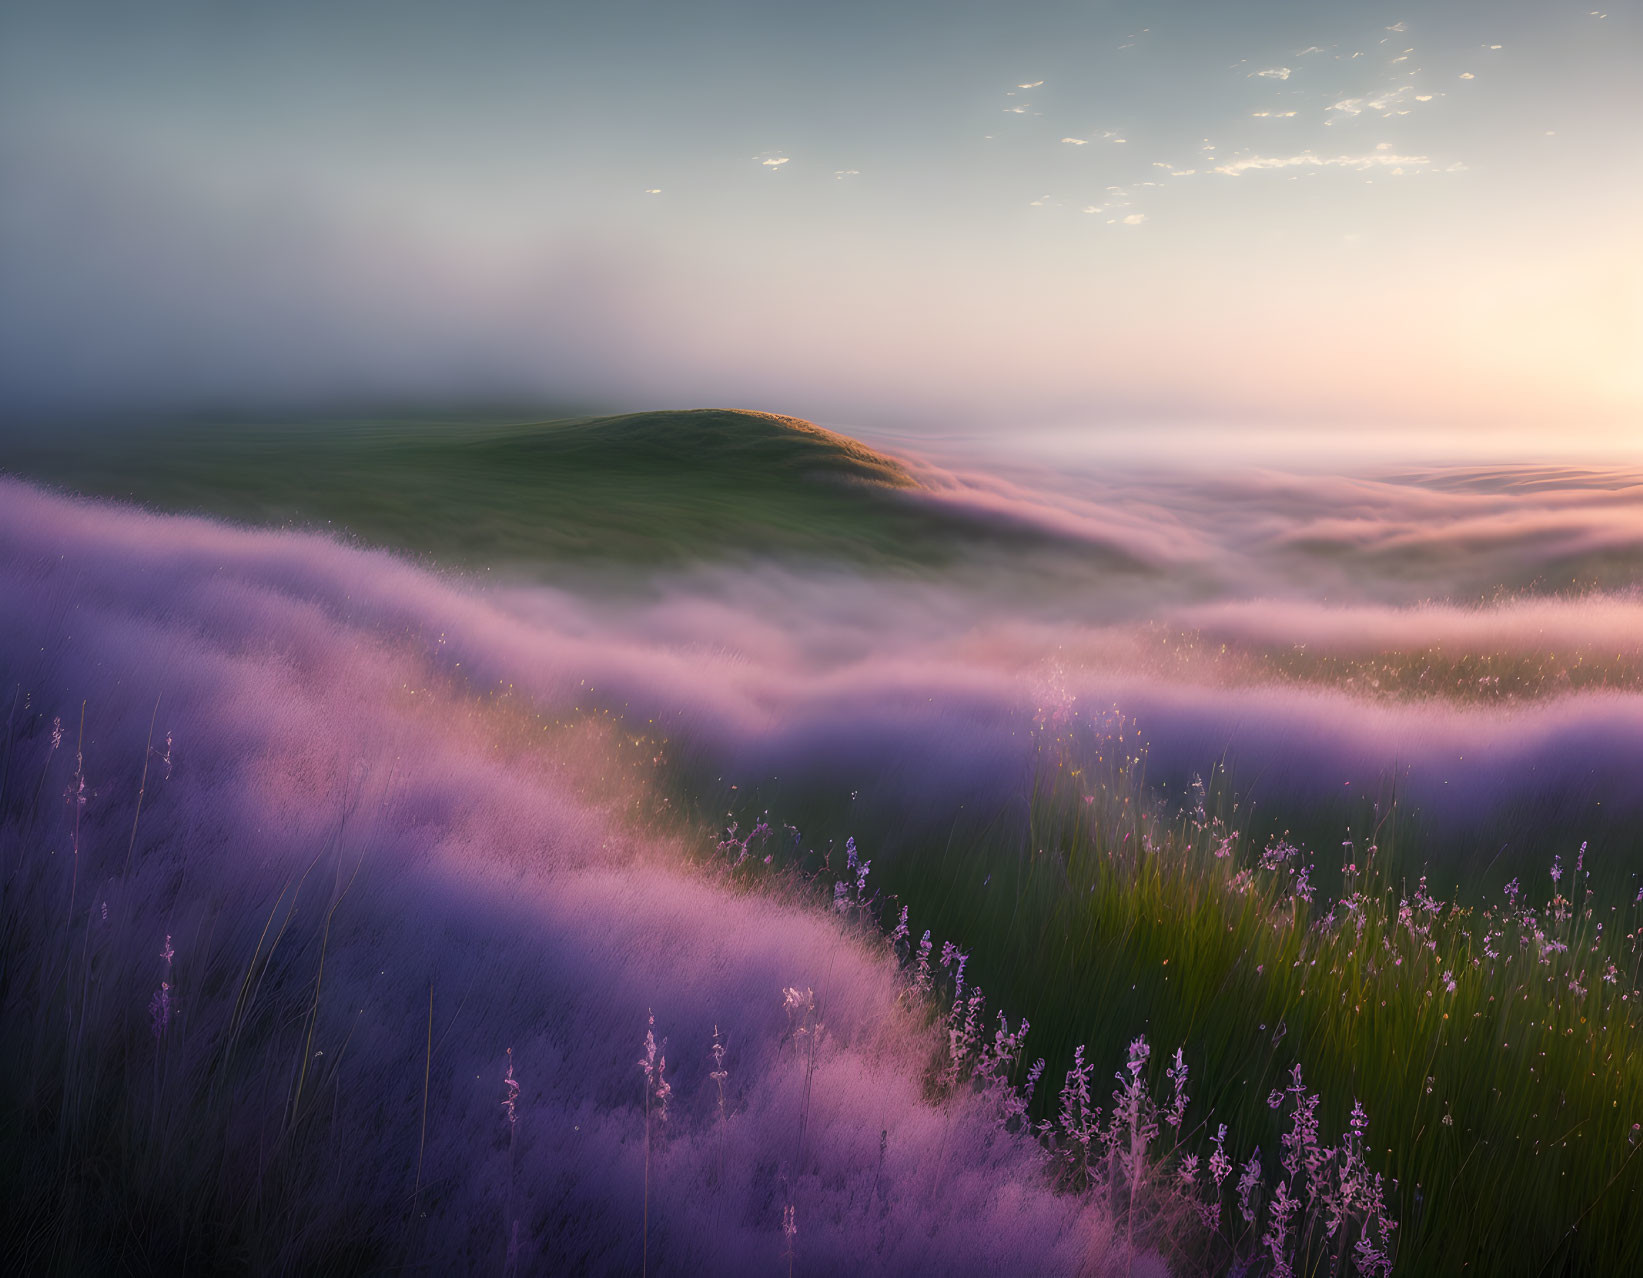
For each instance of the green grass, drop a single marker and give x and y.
(1475, 677)
(646, 490)
(1504, 1109)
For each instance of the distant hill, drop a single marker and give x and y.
(654, 488)
(722, 442)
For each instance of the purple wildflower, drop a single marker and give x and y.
(510, 1102)
(654, 1068)
(1177, 1111)
(1247, 1180)
(162, 1005)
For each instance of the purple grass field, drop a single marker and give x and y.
(772, 640)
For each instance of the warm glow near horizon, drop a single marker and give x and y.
(581, 577)
(1416, 217)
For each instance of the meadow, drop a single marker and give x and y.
(584, 846)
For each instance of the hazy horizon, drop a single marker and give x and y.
(488, 786)
(1391, 221)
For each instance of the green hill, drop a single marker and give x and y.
(652, 488)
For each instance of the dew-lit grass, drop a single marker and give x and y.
(1496, 1044)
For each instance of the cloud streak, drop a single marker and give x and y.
(1373, 160)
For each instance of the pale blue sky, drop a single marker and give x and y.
(1354, 215)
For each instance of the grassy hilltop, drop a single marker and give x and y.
(643, 488)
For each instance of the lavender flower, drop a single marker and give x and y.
(1035, 1073)
(719, 1073)
(510, 1102)
(657, 1090)
(654, 1068)
(1247, 1180)
(1220, 1166)
(1177, 1074)
(900, 933)
(921, 969)
(159, 1009)
(1078, 1119)
(952, 956)
(790, 1231)
(161, 1006)
(1276, 1238)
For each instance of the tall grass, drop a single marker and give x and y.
(233, 1059)
(1495, 1044)
(1321, 1208)
(1478, 1064)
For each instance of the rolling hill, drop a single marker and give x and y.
(651, 488)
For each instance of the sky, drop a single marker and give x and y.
(1353, 221)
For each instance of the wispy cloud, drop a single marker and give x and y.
(1383, 157)
(1118, 197)
(1272, 115)
(1271, 73)
(772, 159)
(1118, 218)
(1388, 102)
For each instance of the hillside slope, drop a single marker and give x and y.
(651, 488)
